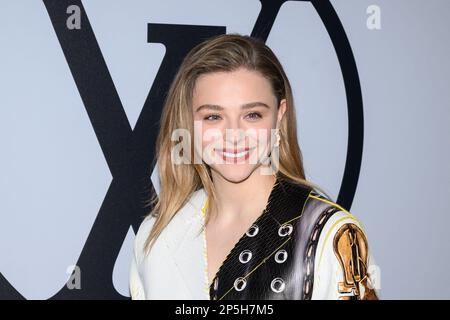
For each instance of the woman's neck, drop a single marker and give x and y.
(243, 200)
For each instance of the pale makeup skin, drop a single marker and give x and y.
(242, 189)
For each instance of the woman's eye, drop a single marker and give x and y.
(212, 117)
(254, 115)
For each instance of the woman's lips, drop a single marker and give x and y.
(234, 154)
(233, 150)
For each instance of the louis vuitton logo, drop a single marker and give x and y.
(129, 152)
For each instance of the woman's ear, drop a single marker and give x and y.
(281, 110)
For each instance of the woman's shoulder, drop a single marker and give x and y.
(189, 210)
(329, 215)
(318, 200)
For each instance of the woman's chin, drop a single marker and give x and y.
(235, 172)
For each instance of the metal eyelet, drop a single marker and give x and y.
(252, 231)
(281, 256)
(245, 256)
(240, 283)
(285, 230)
(277, 285)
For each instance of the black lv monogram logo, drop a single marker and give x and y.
(129, 152)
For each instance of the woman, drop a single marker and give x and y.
(235, 217)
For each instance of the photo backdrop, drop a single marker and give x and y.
(82, 85)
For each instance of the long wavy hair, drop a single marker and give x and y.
(226, 52)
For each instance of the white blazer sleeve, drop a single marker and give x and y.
(336, 275)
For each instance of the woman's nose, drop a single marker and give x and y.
(235, 135)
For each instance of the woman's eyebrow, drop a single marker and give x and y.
(244, 106)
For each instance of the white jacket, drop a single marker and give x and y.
(176, 267)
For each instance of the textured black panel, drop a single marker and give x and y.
(289, 204)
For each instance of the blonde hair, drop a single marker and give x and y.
(226, 52)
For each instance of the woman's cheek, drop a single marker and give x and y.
(210, 135)
(212, 139)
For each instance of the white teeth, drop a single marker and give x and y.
(234, 155)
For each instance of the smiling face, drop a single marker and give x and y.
(234, 113)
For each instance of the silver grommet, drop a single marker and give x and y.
(252, 231)
(285, 230)
(240, 283)
(245, 256)
(281, 256)
(277, 285)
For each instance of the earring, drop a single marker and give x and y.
(277, 143)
